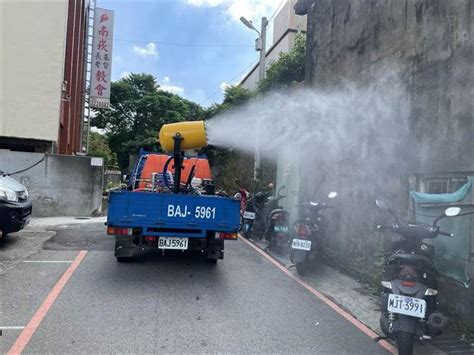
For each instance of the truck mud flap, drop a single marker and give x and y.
(215, 248)
(124, 247)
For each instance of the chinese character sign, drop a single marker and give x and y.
(101, 58)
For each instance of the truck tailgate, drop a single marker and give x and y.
(173, 214)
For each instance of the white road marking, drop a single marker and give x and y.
(11, 328)
(49, 261)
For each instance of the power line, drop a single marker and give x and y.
(207, 45)
(253, 63)
(231, 80)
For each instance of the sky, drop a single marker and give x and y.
(193, 47)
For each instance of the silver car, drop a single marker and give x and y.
(15, 205)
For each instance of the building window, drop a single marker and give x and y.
(442, 185)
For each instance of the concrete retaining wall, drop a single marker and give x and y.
(60, 185)
(429, 45)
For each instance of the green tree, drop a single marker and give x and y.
(98, 147)
(138, 110)
(233, 96)
(288, 69)
(228, 165)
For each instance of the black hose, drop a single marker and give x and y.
(26, 169)
(165, 171)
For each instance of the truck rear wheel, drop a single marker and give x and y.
(124, 259)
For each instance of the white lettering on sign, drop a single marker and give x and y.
(177, 211)
(97, 162)
(201, 212)
(101, 66)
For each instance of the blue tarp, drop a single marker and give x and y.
(452, 254)
(456, 196)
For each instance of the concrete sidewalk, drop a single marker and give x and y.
(37, 223)
(352, 295)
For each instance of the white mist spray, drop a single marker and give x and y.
(337, 125)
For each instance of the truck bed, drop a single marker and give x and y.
(161, 214)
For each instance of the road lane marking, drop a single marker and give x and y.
(49, 261)
(30, 329)
(357, 323)
(11, 327)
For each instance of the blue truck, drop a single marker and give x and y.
(167, 214)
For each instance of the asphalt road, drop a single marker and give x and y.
(174, 303)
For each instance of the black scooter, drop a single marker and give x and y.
(308, 230)
(408, 302)
(252, 218)
(277, 226)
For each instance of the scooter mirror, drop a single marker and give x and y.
(381, 204)
(452, 211)
(332, 194)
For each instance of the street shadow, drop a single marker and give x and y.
(9, 241)
(89, 237)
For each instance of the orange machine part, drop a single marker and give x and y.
(156, 162)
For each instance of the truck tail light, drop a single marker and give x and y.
(150, 238)
(223, 236)
(119, 231)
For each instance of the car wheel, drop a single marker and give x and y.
(3, 236)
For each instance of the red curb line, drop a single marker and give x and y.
(357, 323)
(30, 329)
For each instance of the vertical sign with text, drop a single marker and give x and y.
(101, 58)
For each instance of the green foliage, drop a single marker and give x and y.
(459, 325)
(366, 270)
(233, 97)
(288, 69)
(369, 272)
(113, 163)
(138, 110)
(98, 147)
(228, 165)
(284, 72)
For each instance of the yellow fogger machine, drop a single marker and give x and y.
(191, 134)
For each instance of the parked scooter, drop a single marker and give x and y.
(308, 231)
(243, 196)
(252, 218)
(408, 302)
(277, 229)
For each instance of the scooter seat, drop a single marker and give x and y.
(411, 259)
(278, 210)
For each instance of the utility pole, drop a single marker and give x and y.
(261, 76)
(260, 45)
